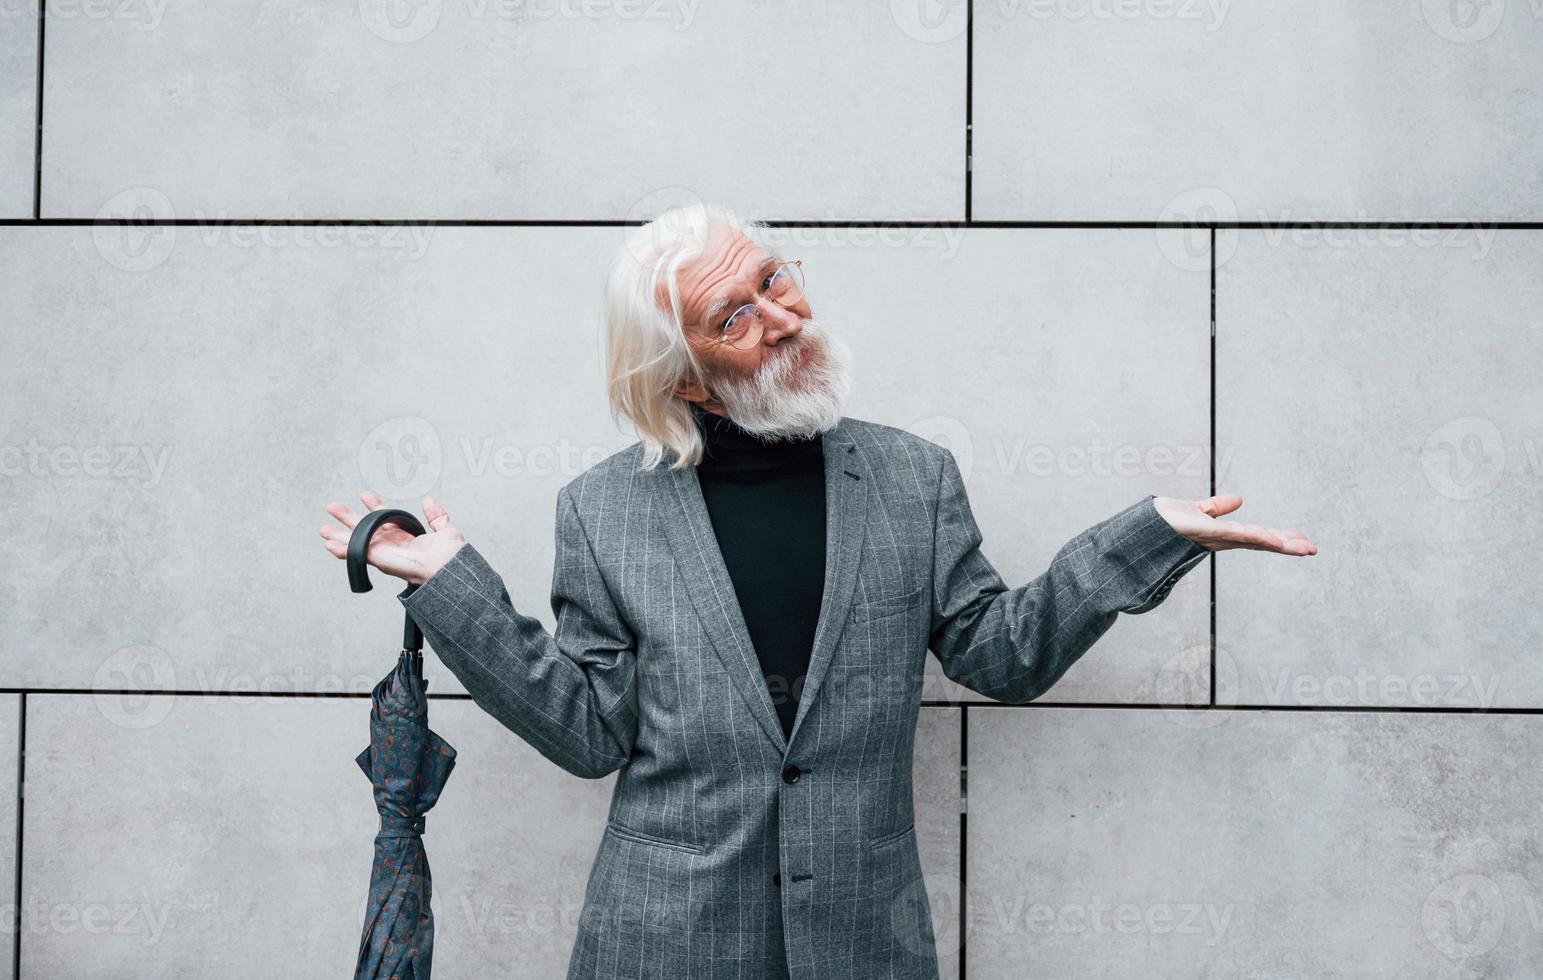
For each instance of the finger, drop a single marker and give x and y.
(386, 533)
(1297, 543)
(1296, 546)
(1263, 538)
(337, 542)
(333, 533)
(436, 515)
(394, 561)
(345, 514)
(1258, 538)
(1220, 504)
(1232, 534)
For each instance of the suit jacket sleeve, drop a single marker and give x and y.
(573, 695)
(1013, 644)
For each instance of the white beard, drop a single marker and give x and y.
(785, 401)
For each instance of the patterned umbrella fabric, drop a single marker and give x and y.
(408, 765)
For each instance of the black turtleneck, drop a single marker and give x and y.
(767, 504)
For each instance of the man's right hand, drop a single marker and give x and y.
(412, 558)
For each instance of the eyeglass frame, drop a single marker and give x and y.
(755, 305)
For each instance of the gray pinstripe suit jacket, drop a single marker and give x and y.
(652, 673)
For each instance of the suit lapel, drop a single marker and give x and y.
(689, 531)
(846, 514)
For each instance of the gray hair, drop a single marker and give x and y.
(647, 355)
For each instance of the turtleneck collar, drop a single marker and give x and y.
(730, 448)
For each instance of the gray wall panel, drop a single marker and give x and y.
(10, 750)
(232, 836)
(1110, 843)
(239, 384)
(178, 430)
(1378, 391)
(504, 110)
(18, 108)
(1269, 110)
(236, 836)
(181, 402)
(1068, 370)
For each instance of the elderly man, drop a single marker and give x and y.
(741, 634)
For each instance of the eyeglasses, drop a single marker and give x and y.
(743, 328)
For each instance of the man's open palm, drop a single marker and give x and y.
(412, 558)
(1198, 521)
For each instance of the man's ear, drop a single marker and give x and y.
(692, 392)
(701, 396)
(693, 388)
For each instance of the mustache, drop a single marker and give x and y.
(809, 340)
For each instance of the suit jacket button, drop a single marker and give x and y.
(777, 879)
(790, 774)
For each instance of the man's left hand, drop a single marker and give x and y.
(1199, 521)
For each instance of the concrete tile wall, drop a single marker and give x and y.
(1067, 369)
(939, 750)
(180, 401)
(1269, 110)
(504, 110)
(10, 816)
(267, 859)
(229, 836)
(216, 423)
(1172, 844)
(235, 385)
(18, 108)
(1384, 393)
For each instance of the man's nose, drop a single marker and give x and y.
(780, 322)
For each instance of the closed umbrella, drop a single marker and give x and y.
(408, 765)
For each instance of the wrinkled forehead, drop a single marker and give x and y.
(726, 256)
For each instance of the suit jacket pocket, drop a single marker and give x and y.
(891, 839)
(653, 840)
(891, 605)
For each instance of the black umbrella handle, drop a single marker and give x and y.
(358, 565)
